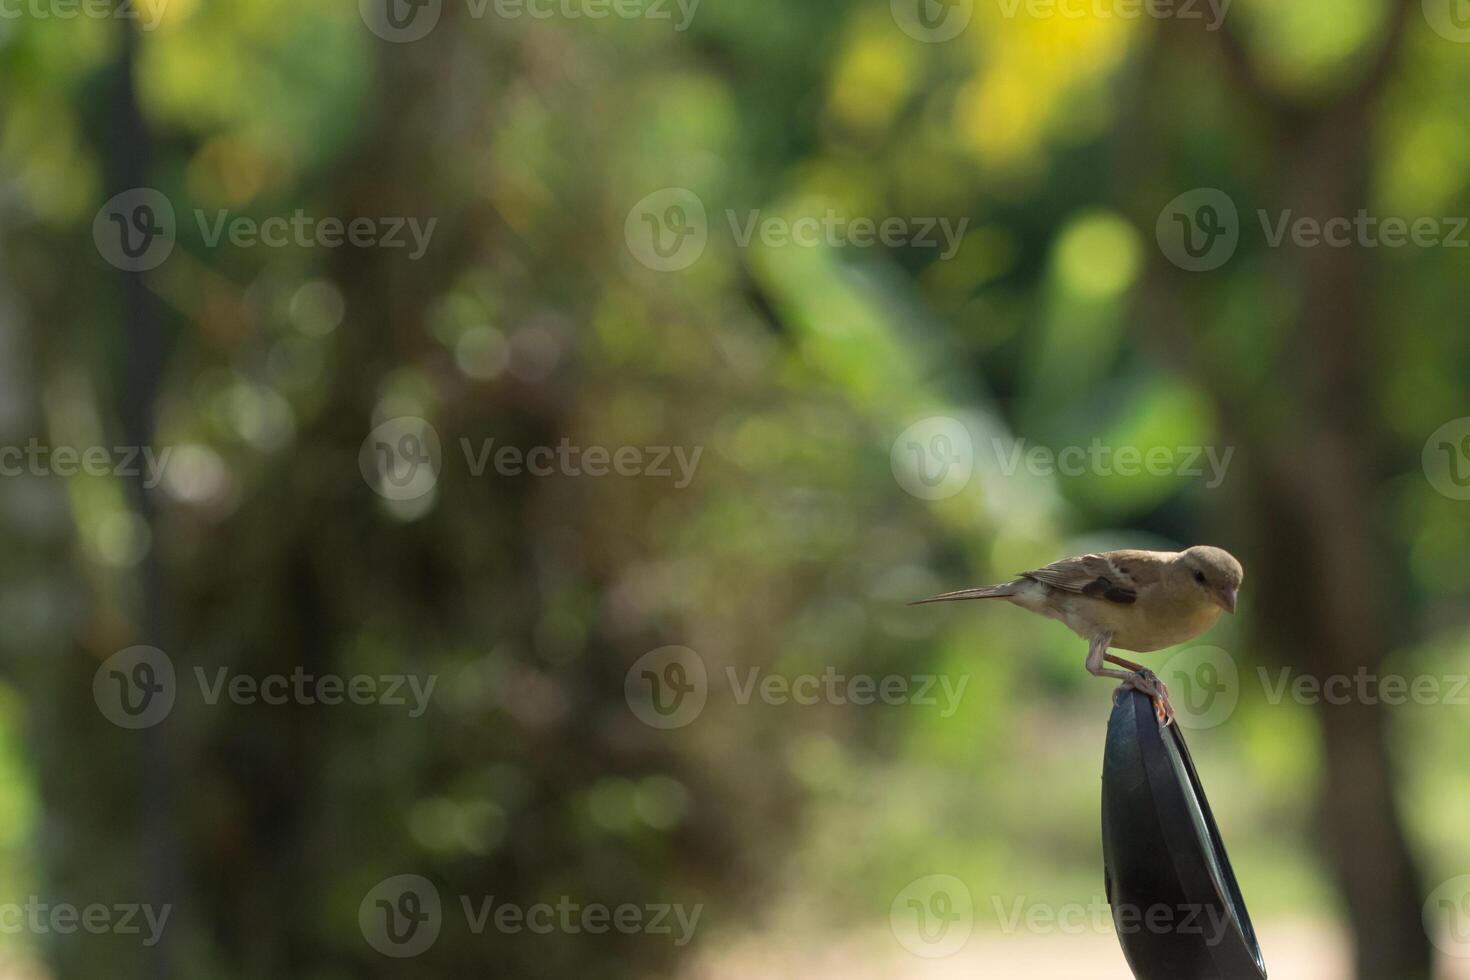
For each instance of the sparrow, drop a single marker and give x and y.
(1133, 600)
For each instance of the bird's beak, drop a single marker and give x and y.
(1226, 599)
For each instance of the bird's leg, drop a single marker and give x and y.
(1097, 652)
(1113, 658)
(1140, 678)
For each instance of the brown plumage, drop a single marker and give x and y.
(1133, 600)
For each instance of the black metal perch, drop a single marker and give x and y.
(1176, 906)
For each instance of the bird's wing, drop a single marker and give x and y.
(1115, 575)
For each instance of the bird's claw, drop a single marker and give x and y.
(1148, 683)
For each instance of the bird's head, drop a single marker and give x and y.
(1214, 571)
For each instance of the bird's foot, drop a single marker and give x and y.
(1148, 682)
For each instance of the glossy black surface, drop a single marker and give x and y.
(1177, 909)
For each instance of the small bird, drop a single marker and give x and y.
(1134, 600)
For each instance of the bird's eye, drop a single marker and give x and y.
(1199, 577)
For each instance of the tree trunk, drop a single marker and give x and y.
(1308, 444)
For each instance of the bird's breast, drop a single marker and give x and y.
(1165, 625)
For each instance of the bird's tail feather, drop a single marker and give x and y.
(983, 592)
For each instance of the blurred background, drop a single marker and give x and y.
(1029, 228)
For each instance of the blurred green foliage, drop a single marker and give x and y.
(794, 369)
